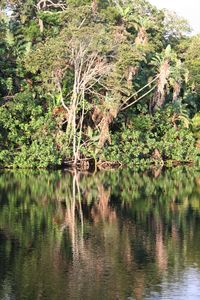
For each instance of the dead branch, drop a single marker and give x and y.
(45, 4)
(136, 93)
(130, 104)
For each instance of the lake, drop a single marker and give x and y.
(114, 235)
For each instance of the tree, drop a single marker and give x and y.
(85, 74)
(192, 62)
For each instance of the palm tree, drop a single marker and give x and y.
(171, 75)
(162, 64)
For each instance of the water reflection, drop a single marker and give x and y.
(113, 235)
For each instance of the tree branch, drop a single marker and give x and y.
(139, 98)
(149, 83)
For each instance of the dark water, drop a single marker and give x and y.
(113, 235)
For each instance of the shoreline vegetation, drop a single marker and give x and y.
(97, 84)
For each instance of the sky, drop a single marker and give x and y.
(189, 9)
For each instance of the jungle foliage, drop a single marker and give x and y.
(94, 80)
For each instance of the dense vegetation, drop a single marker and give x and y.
(96, 80)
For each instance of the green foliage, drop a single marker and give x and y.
(7, 62)
(27, 135)
(106, 56)
(196, 129)
(192, 61)
(153, 139)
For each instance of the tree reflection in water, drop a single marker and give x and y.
(111, 235)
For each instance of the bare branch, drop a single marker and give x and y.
(43, 4)
(130, 104)
(61, 97)
(136, 93)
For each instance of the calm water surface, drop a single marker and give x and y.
(119, 235)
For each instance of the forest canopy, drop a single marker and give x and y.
(87, 82)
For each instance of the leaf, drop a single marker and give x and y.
(168, 51)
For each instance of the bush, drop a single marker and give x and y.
(28, 134)
(152, 139)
